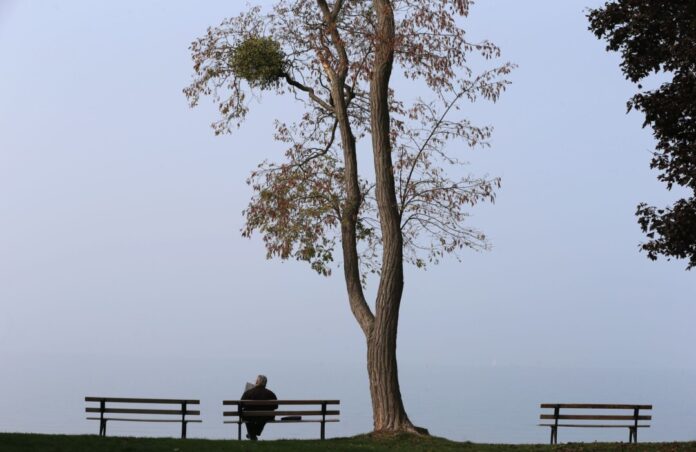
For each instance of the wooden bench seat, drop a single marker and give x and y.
(318, 414)
(134, 407)
(634, 417)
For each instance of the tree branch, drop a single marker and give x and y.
(310, 91)
(323, 151)
(425, 143)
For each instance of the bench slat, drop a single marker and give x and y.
(603, 406)
(281, 413)
(595, 417)
(281, 402)
(315, 421)
(141, 411)
(140, 420)
(138, 400)
(593, 425)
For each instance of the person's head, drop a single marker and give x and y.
(261, 381)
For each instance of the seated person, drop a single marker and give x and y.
(255, 424)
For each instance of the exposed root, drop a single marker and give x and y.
(422, 430)
(402, 431)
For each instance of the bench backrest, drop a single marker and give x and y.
(319, 408)
(134, 406)
(627, 412)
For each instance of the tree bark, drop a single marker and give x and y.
(351, 206)
(387, 406)
(380, 328)
(349, 220)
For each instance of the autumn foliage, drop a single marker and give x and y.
(340, 60)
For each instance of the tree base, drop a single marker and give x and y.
(422, 430)
(406, 430)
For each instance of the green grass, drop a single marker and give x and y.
(25, 442)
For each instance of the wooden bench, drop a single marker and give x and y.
(634, 417)
(320, 414)
(141, 414)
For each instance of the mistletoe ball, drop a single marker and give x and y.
(259, 61)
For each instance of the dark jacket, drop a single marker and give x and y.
(260, 393)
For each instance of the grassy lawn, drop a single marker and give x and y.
(24, 442)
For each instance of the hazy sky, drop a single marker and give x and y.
(120, 215)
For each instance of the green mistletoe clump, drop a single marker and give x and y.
(259, 61)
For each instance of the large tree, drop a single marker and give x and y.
(659, 37)
(336, 58)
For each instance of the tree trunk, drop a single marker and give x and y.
(351, 205)
(388, 409)
(381, 328)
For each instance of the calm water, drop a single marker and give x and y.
(495, 404)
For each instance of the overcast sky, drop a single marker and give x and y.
(120, 218)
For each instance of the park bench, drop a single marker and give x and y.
(299, 411)
(139, 410)
(609, 414)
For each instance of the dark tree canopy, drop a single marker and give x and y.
(659, 37)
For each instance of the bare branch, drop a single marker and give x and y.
(309, 91)
(436, 126)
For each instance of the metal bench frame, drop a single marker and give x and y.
(632, 428)
(316, 416)
(103, 410)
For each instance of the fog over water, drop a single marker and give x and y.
(483, 404)
(123, 272)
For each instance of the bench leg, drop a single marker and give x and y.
(102, 427)
(554, 435)
(632, 435)
(183, 430)
(322, 429)
(239, 430)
